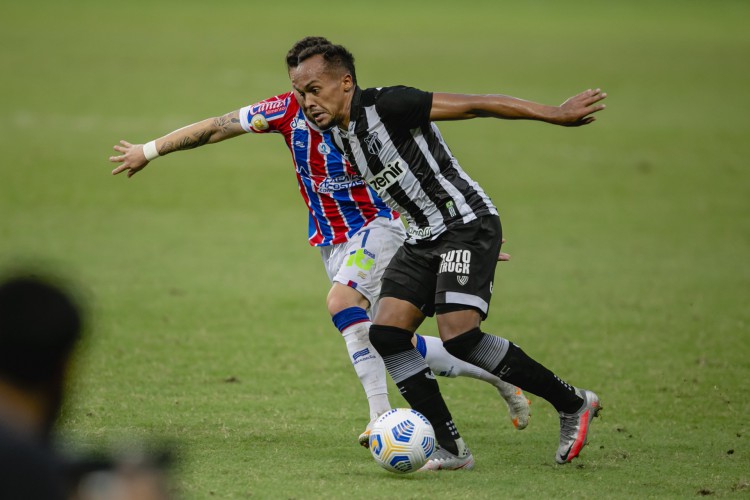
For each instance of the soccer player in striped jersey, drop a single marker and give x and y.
(444, 269)
(356, 232)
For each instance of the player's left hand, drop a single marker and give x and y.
(578, 110)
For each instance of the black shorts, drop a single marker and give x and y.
(454, 272)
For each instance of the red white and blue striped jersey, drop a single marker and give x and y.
(340, 202)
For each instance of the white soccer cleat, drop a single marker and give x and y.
(364, 438)
(443, 459)
(519, 406)
(574, 427)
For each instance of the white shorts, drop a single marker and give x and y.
(361, 261)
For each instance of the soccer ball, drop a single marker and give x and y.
(402, 440)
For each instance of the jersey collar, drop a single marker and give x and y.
(355, 105)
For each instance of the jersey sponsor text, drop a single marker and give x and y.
(390, 175)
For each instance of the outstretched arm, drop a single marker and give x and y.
(133, 158)
(574, 112)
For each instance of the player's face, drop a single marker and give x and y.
(298, 97)
(322, 92)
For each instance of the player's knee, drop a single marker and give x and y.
(390, 339)
(342, 297)
(456, 319)
(461, 346)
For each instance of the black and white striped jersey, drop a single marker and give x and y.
(403, 157)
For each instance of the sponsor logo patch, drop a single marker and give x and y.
(451, 208)
(419, 232)
(259, 123)
(361, 258)
(359, 354)
(391, 174)
(270, 109)
(456, 261)
(343, 182)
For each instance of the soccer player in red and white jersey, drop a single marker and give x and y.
(356, 232)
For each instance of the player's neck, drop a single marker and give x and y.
(347, 110)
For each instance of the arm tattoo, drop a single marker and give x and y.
(194, 141)
(165, 148)
(224, 122)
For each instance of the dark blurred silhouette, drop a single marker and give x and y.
(40, 325)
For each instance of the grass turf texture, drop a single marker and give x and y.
(629, 238)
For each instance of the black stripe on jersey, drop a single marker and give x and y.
(438, 149)
(376, 166)
(408, 149)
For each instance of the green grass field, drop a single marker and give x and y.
(630, 238)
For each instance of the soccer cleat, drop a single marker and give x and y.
(364, 438)
(518, 405)
(574, 427)
(443, 459)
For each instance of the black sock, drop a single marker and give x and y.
(415, 381)
(506, 360)
(519, 369)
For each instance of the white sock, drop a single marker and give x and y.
(446, 365)
(369, 367)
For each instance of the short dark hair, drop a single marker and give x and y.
(300, 45)
(40, 324)
(334, 56)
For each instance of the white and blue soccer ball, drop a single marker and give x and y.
(402, 440)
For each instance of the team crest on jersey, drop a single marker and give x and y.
(299, 124)
(324, 148)
(374, 145)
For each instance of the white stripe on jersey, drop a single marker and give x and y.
(462, 173)
(450, 188)
(411, 186)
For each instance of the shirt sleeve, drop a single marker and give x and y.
(265, 116)
(406, 106)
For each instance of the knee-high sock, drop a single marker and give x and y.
(415, 381)
(506, 360)
(444, 364)
(354, 325)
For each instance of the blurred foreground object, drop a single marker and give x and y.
(40, 325)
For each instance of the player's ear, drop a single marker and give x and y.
(348, 82)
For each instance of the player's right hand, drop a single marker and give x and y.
(502, 256)
(132, 158)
